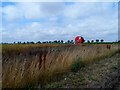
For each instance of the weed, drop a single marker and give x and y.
(77, 65)
(115, 67)
(92, 78)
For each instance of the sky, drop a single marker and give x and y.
(49, 21)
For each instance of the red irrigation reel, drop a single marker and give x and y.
(79, 40)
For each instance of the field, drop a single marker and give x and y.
(32, 65)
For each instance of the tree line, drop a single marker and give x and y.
(59, 42)
(46, 42)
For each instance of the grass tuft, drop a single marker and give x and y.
(77, 65)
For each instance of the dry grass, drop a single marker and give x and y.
(22, 69)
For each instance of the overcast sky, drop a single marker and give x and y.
(45, 21)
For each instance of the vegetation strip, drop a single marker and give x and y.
(39, 65)
(101, 74)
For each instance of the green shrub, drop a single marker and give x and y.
(77, 65)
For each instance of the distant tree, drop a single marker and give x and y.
(58, 41)
(19, 42)
(72, 42)
(62, 41)
(118, 41)
(24, 43)
(97, 40)
(101, 40)
(83, 40)
(43, 42)
(55, 41)
(32, 42)
(68, 41)
(28, 42)
(50, 42)
(92, 41)
(13, 42)
(88, 41)
(38, 42)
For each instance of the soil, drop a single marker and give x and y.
(100, 74)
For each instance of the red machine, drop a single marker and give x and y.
(79, 40)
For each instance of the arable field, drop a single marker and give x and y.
(32, 65)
